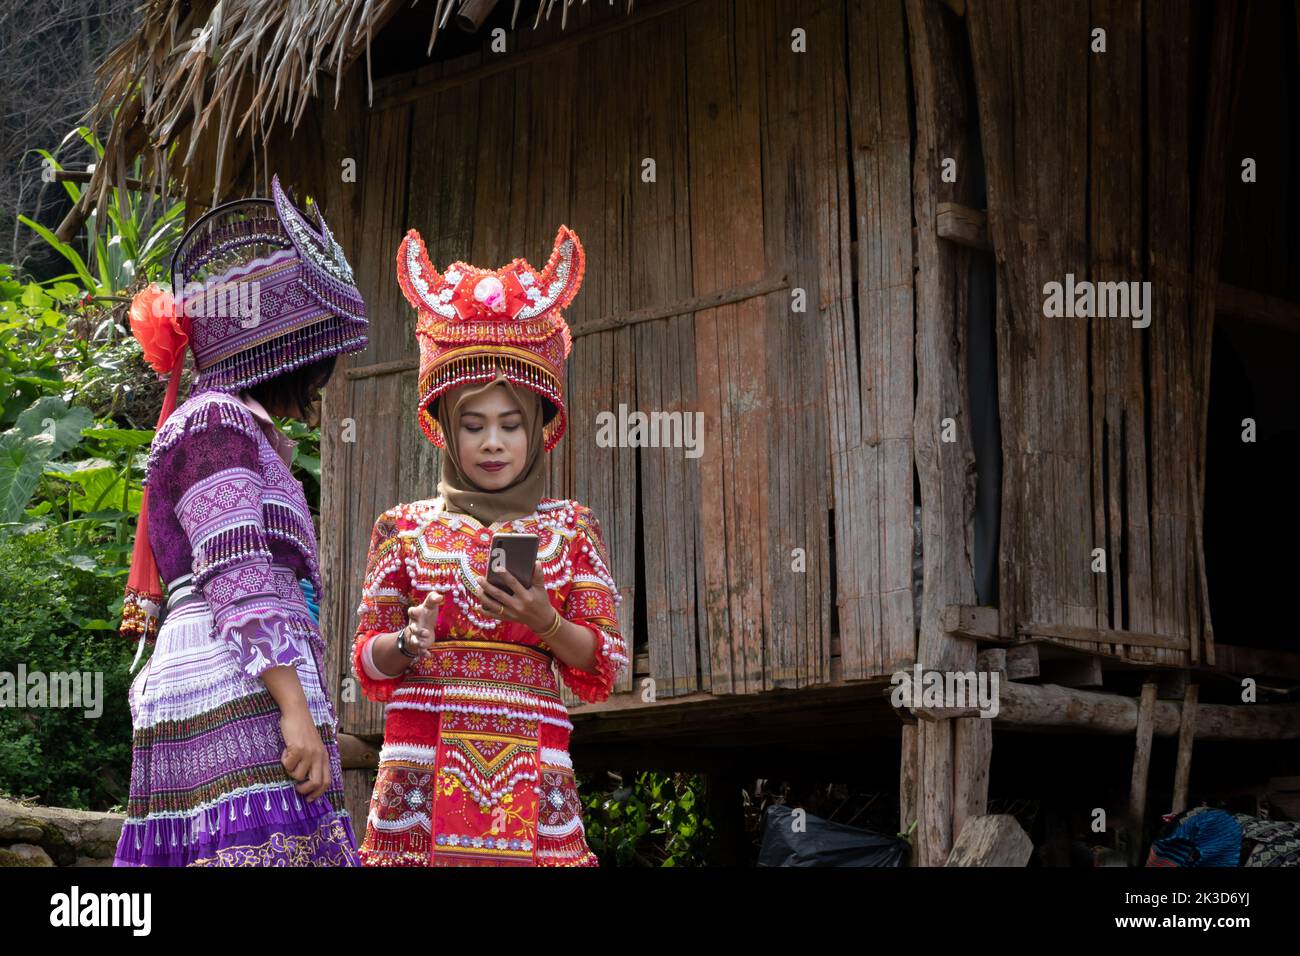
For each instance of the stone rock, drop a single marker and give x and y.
(24, 854)
(63, 834)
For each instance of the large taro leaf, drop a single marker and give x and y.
(22, 459)
(47, 429)
(51, 416)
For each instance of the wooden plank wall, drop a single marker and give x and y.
(872, 390)
(1094, 412)
(775, 171)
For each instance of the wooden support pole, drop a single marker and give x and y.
(936, 791)
(1186, 733)
(1223, 87)
(945, 469)
(973, 747)
(1137, 798)
(907, 779)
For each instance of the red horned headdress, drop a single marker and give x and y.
(474, 323)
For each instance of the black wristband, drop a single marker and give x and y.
(401, 644)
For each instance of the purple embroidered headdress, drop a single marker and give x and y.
(257, 291)
(265, 292)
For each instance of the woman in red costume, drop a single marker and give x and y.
(475, 767)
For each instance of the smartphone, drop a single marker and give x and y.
(516, 553)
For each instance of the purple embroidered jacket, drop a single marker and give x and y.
(224, 506)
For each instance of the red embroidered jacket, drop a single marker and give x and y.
(418, 547)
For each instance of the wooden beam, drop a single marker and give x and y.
(1186, 732)
(616, 321)
(1098, 635)
(697, 303)
(383, 368)
(981, 623)
(964, 226)
(971, 621)
(1022, 662)
(356, 753)
(85, 176)
(1258, 308)
(1137, 796)
(1051, 707)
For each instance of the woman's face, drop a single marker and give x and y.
(491, 440)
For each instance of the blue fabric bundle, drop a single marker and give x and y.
(1204, 837)
(309, 593)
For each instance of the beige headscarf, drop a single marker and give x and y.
(461, 495)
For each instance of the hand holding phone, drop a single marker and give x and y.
(513, 553)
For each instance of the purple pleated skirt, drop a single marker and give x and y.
(207, 785)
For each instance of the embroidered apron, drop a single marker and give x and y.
(497, 788)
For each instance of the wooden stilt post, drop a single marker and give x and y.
(907, 781)
(1137, 799)
(973, 737)
(1186, 732)
(944, 468)
(935, 824)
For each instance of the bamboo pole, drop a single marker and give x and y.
(1137, 798)
(1186, 733)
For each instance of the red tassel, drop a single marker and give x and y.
(143, 600)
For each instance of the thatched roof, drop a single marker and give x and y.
(246, 66)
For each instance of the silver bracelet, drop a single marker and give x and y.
(401, 644)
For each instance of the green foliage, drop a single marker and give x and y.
(53, 604)
(40, 434)
(657, 820)
(306, 458)
(72, 385)
(128, 239)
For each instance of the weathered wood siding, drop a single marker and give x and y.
(1089, 159)
(774, 171)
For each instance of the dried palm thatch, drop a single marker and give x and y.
(245, 65)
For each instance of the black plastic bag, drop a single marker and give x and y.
(824, 843)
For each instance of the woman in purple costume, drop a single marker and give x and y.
(235, 757)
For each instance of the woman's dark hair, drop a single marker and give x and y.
(293, 388)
